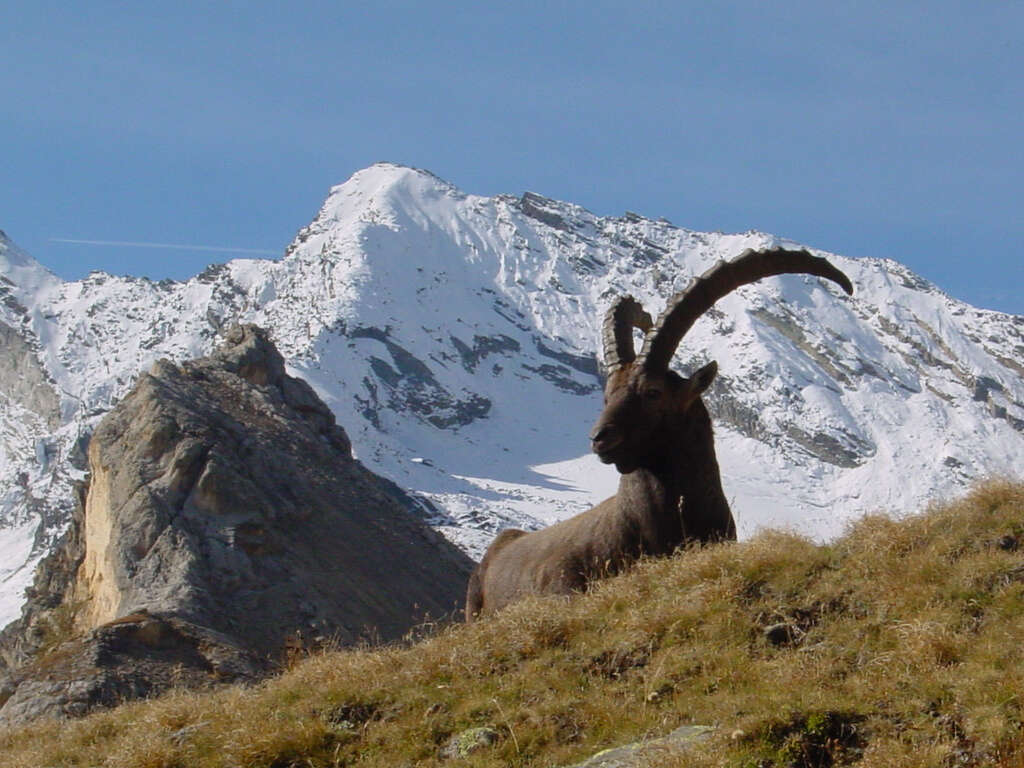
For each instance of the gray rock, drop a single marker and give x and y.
(225, 525)
(22, 379)
(134, 657)
(469, 741)
(638, 753)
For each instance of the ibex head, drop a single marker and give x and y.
(647, 406)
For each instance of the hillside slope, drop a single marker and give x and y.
(901, 644)
(454, 337)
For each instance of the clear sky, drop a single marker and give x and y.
(891, 129)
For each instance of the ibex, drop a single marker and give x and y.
(656, 430)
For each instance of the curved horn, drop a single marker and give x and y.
(617, 332)
(686, 306)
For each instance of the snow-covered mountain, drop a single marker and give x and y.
(455, 337)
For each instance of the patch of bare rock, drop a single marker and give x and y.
(225, 524)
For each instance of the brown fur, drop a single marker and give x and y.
(670, 492)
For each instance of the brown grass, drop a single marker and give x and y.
(903, 645)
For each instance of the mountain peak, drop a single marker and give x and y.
(26, 274)
(12, 258)
(384, 194)
(385, 179)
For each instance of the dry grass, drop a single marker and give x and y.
(902, 644)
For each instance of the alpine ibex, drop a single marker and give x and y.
(656, 430)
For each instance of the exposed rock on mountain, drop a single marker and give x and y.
(23, 380)
(225, 521)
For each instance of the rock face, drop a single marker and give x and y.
(225, 521)
(133, 657)
(23, 380)
(642, 753)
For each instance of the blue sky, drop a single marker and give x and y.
(889, 129)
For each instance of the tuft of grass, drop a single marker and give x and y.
(900, 644)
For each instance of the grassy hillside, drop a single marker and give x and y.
(902, 644)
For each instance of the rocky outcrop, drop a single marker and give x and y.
(646, 752)
(224, 524)
(132, 657)
(23, 380)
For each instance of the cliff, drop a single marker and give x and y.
(224, 523)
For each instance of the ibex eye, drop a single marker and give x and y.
(652, 394)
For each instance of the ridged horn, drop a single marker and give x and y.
(617, 332)
(687, 306)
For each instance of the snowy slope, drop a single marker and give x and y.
(455, 337)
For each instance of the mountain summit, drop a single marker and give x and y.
(20, 274)
(455, 336)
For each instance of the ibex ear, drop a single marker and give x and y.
(702, 379)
